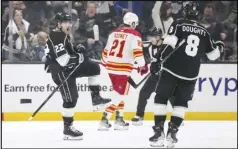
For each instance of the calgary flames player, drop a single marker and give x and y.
(123, 49)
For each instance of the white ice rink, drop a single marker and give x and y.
(49, 134)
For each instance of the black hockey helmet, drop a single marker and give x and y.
(191, 10)
(154, 32)
(61, 17)
(58, 17)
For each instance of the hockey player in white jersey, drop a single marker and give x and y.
(123, 49)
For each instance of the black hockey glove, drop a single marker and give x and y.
(155, 68)
(80, 49)
(220, 45)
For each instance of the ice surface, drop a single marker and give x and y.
(197, 134)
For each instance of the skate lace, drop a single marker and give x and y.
(73, 129)
(121, 121)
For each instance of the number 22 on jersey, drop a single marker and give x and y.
(117, 48)
(59, 47)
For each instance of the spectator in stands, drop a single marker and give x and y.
(35, 12)
(80, 7)
(21, 31)
(107, 11)
(43, 26)
(17, 5)
(231, 21)
(147, 7)
(161, 15)
(75, 20)
(177, 8)
(5, 18)
(39, 51)
(87, 22)
(55, 7)
(215, 28)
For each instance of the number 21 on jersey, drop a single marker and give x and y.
(192, 45)
(117, 44)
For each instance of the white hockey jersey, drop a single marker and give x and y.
(123, 49)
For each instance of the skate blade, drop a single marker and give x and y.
(121, 127)
(137, 123)
(103, 129)
(67, 137)
(170, 143)
(100, 107)
(159, 143)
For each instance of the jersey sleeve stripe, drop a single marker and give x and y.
(137, 55)
(161, 56)
(104, 53)
(137, 51)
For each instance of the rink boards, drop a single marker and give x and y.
(25, 87)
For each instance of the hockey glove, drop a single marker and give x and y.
(143, 70)
(80, 48)
(220, 45)
(155, 68)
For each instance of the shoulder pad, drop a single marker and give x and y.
(180, 20)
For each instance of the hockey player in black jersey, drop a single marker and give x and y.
(61, 60)
(150, 50)
(180, 71)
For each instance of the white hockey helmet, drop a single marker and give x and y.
(131, 19)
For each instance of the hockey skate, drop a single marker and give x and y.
(120, 124)
(137, 121)
(171, 135)
(99, 102)
(104, 125)
(157, 140)
(70, 133)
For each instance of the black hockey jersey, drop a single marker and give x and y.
(61, 51)
(185, 62)
(150, 52)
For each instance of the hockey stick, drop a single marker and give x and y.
(129, 79)
(133, 84)
(52, 93)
